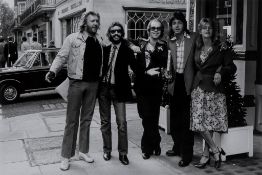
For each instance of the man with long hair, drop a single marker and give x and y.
(115, 88)
(83, 52)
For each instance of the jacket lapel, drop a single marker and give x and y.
(172, 47)
(187, 46)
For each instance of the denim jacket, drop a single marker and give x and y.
(72, 53)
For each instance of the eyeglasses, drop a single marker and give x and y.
(155, 28)
(114, 31)
(207, 28)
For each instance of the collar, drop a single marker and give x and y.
(83, 36)
(185, 35)
(117, 45)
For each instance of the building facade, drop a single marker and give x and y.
(55, 19)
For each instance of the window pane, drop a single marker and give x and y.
(137, 22)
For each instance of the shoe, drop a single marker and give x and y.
(146, 156)
(86, 157)
(123, 159)
(202, 165)
(172, 153)
(64, 165)
(158, 151)
(220, 152)
(107, 156)
(183, 163)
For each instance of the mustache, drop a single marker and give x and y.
(119, 35)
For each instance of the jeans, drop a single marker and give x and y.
(81, 101)
(107, 95)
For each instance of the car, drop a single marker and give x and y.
(28, 75)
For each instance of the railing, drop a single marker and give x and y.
(31, 9)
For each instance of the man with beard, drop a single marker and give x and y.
(82, 51)
(115, 87)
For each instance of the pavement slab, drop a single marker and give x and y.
(12, 151)
(12, 135)
(19, 168)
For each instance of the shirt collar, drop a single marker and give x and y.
(185, 36)
(84, 35)
(117, 45)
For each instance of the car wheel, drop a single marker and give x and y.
(9, 93)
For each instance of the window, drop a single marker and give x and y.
(137, 22)
(228, 18)
(224, 16)
(21, 7)
(75, 24)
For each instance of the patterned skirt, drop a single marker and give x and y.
(208, 111)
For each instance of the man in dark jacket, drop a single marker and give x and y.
(115, 87)
(10, 52)
(182, 46)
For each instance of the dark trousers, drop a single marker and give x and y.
(107, 95)
(148, 109)
(81, 97)
(180, 120)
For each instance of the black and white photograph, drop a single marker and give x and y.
(130, 87)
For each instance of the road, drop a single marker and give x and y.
(33, 103)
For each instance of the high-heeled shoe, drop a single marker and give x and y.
(202, 165)
(220, 152)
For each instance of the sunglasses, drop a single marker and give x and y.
(114, 31)
(207, 27)
(155, 28)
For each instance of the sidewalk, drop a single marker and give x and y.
(31, 145)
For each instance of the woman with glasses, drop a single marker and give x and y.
(208, 107)
(148, 86)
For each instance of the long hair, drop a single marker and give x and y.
(113, 25)
(178, 16)
(83, 20)
(161, 27)
(214, 37)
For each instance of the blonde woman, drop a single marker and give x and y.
(208, 106)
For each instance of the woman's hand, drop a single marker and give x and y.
(217, 78)
(153, 71)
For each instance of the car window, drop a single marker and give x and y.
(23, 60)
(37, 61)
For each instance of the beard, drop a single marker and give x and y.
(111, 38)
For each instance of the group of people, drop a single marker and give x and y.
(195, 65)
(34, 45)
(8, 52)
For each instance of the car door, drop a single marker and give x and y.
(35, 74)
